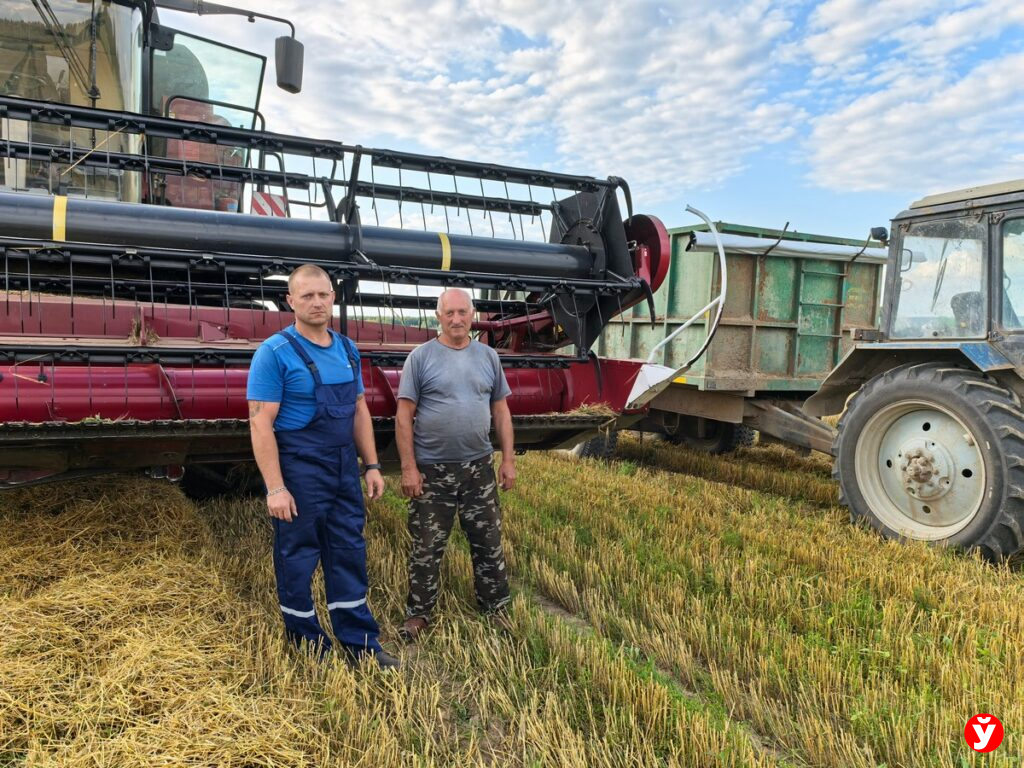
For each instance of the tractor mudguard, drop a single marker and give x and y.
(865, 361)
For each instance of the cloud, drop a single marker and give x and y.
(959, 30)
(676, 97)
(926, 93)
(679, 99)
(926, 135)
(667, 96)
(842, 31)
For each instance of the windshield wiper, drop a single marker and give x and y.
(75, 64)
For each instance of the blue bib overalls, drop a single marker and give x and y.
(320, 470)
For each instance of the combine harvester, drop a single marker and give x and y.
(139, 279)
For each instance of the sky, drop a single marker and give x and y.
(832, 116)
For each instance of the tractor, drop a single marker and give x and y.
(930, 445)
(928, 380)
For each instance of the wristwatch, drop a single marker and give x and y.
(368, 467)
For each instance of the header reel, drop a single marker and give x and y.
(534, 295)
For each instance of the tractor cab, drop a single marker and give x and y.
(70, 53)
(957, 269)
(182, 88)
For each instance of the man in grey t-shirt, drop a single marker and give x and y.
(451, 389)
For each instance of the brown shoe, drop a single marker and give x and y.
(412, 628)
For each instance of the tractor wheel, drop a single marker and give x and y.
(935, 453)
(711, 436)
(208, 481)
(600, 447)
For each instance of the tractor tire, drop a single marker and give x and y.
(601, 447)
(202, 482)
(711, 436)
(935, 453)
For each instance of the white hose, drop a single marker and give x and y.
(718, 301)
(653, 378)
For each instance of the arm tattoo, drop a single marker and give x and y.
(254, 408)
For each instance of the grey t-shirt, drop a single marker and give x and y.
(453, 390)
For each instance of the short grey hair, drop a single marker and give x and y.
(446, 291)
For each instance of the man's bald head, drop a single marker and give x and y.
(306, 270)
(453, 294)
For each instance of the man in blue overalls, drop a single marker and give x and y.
(308, 419)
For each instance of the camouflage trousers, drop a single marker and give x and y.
(471, 490)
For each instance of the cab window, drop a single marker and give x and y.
(1013, 274)
(941, 287)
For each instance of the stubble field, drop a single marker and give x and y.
(671, 609)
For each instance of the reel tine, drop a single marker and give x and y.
(373, 192)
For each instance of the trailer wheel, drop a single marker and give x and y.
(935, 453)
(710, 435)
(601, 447)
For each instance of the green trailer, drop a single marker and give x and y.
(794, 304)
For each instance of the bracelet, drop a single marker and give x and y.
(276, 491)
(368, 467)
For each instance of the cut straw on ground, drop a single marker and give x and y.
(662, 617)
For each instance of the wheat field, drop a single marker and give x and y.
(671, 609)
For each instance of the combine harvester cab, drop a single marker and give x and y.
(139, 278)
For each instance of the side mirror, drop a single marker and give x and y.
(288, 55)
(881, 234)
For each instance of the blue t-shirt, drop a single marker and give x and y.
(278, 375)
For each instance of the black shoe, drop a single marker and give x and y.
(355, 656)
(386, 660)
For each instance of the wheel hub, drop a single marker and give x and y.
(921, 470)
(926, 469)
